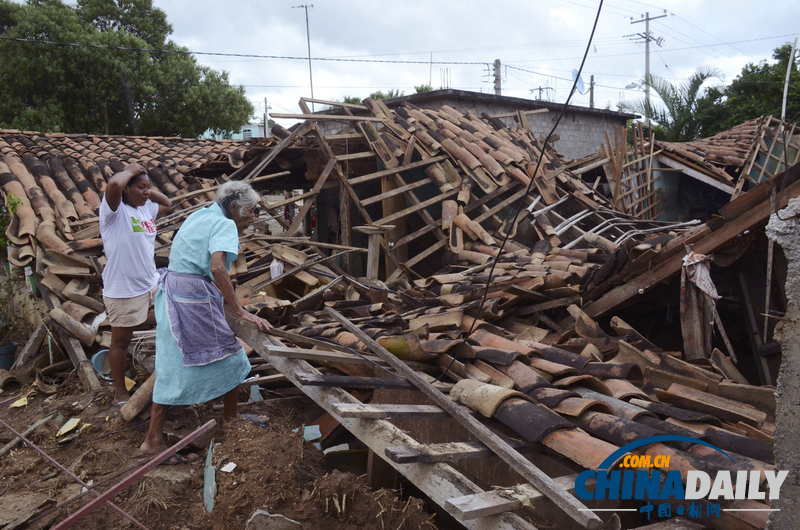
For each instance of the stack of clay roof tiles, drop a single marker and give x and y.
(743, 155)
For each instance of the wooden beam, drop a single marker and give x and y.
(31, 348)
(396, 191)
(273, 154)
(353, 195)
(333, 104)
(509, 455)
(639, 285)
(396, 170)
(323, 117)
(499, 501)
(379, 411)
(346, 381)
(323, 356)
(295, 226)
(445, 452)
(702, 177)
(417, 207)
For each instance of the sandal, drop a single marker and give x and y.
(175, 460)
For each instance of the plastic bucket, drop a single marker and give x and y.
(7, 355)
(101, 364)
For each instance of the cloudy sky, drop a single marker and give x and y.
(358, 47)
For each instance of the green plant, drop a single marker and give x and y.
(12, 312)
(11, 318)
(12, 203)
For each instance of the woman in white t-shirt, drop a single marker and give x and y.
(127, 226)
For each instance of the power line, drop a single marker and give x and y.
(670, 31)
(666, 50)
(221, 54)
(710, 35)
(351, 60)
(530, 184)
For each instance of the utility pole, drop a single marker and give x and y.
(308, 40)
(266, 119)
(591, 91)
(497, 87)
(647, 37)
(540, 89)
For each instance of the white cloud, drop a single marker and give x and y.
(544, 38)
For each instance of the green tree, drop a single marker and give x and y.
(676, 117)
(103, 90)
(393, 93)
(419, 89)
(757, 91)
(352, 100)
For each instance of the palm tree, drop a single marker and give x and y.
(677, 118)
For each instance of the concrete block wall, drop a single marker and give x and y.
(580, 134)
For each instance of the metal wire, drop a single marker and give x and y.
(527, 190)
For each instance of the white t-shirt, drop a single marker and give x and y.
(129, 236)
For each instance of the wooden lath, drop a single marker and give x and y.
(631, 179)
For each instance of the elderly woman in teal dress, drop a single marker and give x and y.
(197, 356)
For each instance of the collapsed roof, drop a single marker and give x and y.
(435, 193)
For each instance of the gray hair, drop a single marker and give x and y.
(236, 194)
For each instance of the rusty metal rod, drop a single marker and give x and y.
(70, 474)
(81, 495)
(133, 477)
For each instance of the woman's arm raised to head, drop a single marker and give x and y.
(162, 200)
(118, 182)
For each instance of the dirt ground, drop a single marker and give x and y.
(276, 470)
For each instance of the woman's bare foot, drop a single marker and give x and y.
(149, 447)
(226, 423)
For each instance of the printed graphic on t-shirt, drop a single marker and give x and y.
(146, 226)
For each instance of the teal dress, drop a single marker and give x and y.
(204, 232)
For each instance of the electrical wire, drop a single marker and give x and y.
(351, 60)
(527, 191)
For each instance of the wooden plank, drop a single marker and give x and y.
(396, 191)
(31, 347)
(295, 226)
(446, 452)
(702, 177)
(334, 104)
(74, 350)
(550, 304)
(323, 117)
(439, 481)
(509, 455)
(323, 356)
(344, 381)
(349, 410)
(395, 170)
(723, 408)
(273, 154)
(436, 224)
(355, 156)
(502, 500)
(425, 253)
(416, 207)
(354, 196)
(263, 380)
